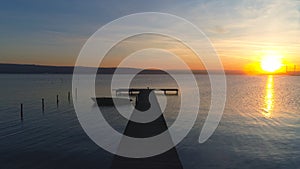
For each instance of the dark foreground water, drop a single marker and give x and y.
(260, 127)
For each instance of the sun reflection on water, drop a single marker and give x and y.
(269, 98)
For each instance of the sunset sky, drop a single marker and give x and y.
(243, 32)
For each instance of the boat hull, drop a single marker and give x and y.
(111, 101)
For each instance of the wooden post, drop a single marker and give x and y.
(43, 105)
(76, 93)
(69, 97)
(57, 101)
(21, 112)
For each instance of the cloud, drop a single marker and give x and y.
(239, 29)
(219, 30)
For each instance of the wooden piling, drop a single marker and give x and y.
(43, 105)
(57, 100)
(76, 93)
(21, 113)
(69, 96)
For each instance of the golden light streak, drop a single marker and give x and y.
(269, 98)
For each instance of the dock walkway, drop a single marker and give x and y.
(167, 160)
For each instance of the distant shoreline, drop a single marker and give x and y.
(41, 69)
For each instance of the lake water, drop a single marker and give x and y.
(260, 127)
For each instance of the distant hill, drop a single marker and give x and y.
(34, 69)
(40, 69)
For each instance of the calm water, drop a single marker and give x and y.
(260, 127)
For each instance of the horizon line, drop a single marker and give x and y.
(45, 65)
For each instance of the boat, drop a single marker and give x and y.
(109, 101)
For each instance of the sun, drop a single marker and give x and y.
(271, 63)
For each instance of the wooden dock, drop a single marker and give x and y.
(167, 160)
(136, 91)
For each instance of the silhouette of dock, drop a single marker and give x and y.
(136, 91)
(167, 160)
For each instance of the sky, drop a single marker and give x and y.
(242, 31)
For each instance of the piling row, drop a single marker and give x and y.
(43, 104)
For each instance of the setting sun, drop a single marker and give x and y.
(271, 63)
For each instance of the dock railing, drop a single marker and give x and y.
(136, 91)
